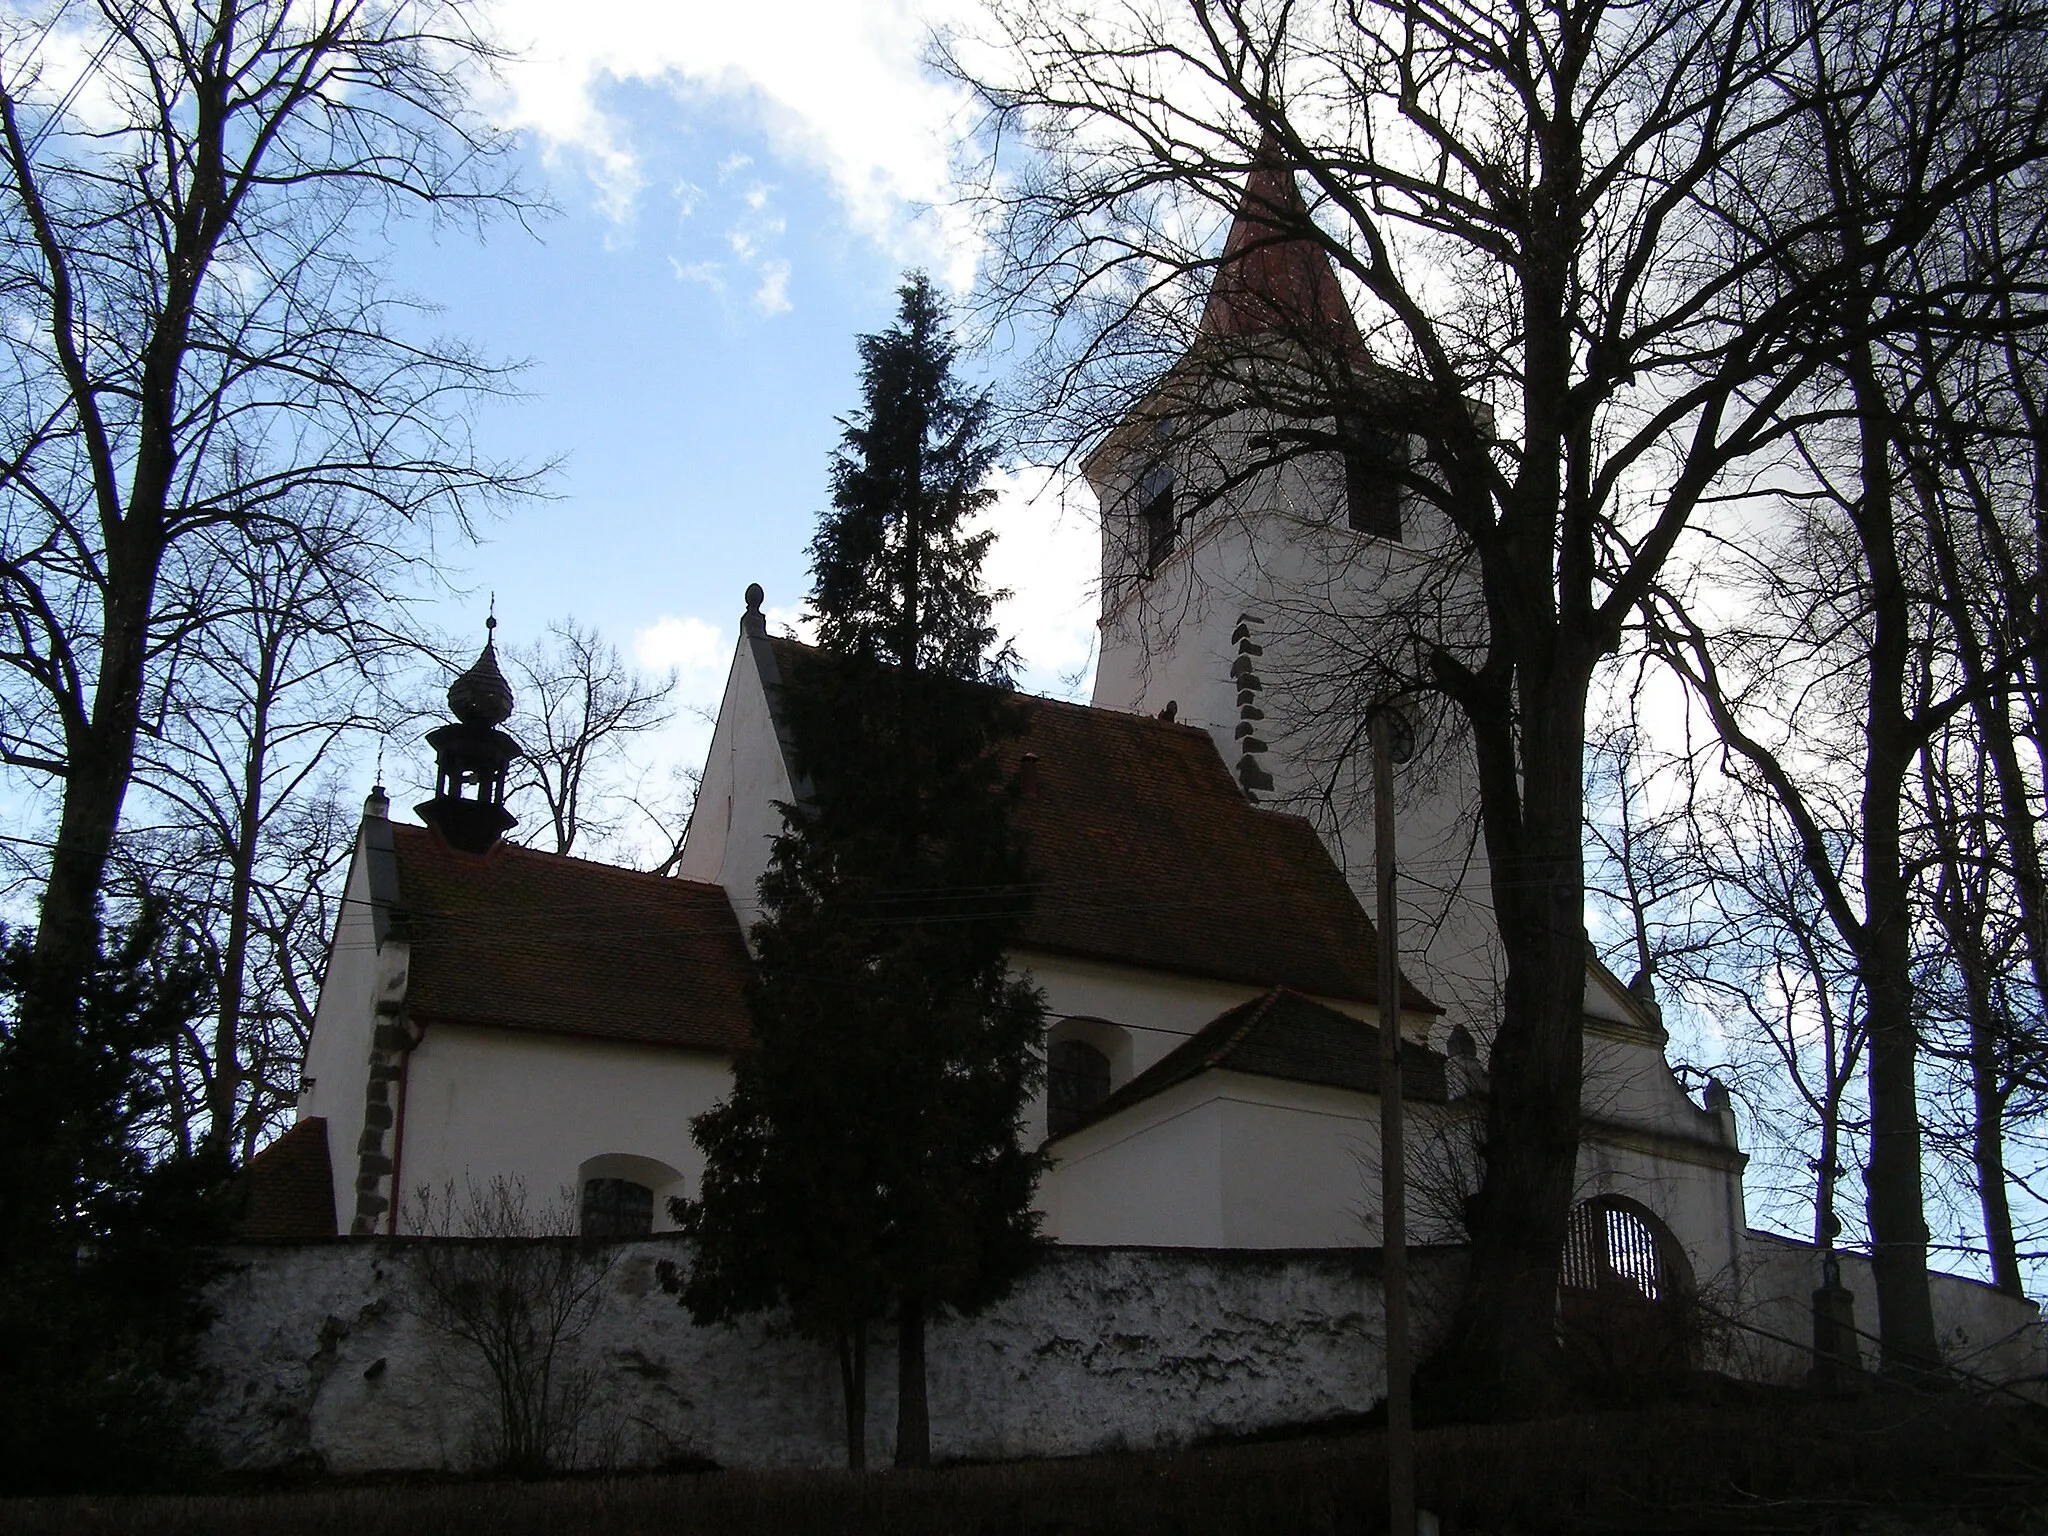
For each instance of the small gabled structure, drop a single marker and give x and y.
(493, 1011)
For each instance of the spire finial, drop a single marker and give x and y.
(753, 621)
(491, 621)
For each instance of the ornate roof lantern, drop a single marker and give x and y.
(472, 757)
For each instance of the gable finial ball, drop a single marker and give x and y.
(755, 597)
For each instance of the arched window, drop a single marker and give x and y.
(617, 1208)
(1624, 1290)
(1076, 1080)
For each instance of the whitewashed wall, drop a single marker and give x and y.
(316, 1361)
(484, 1103)
(1989, 1337)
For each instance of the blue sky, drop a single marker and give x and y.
(738, 197)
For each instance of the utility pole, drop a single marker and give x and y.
(1393, 741)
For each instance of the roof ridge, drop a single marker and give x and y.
(1104, 711)
(1236, 1037)
(508, 850)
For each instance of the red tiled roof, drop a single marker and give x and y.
(1284, 1035)
(1273, 278)
(290, 1186)
(520, 939)
(1145, 852)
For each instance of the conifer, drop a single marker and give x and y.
(868, 1162)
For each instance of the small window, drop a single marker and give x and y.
(1076, 1080)
(1374, 461)
(1159, 520)
(617, 1208)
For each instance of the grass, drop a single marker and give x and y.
(1879, 1463)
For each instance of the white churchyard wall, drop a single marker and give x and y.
(318, 1361)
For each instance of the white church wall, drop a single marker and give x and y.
(337, 1067)
(1152, 1011)
(1233, 1160)
(1155, 1010)
(1626, 1078)
(1300, 1163)
(1153, 1175)
(318, 1361)
(545, 1109)
(1691, 1198)
(735, 819)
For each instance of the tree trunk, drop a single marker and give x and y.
(1987, 1142)
(853, 1385)
(224, 1089)
(913, 1413)
(1884, 941)
(101, 766)
(1501, 1357)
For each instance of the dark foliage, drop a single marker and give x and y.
(1772, 1462)
(104, 1238)
(868, 1162)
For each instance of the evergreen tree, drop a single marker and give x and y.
(105, 1231)
(868, 1162)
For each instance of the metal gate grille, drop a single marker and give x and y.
(1608, 1247)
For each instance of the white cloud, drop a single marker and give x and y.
(1046, 554)
(688, 644)
(793, 619)
(772, 297)
(836, 86)
(705, 272)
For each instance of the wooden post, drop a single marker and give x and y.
(1393, 1151)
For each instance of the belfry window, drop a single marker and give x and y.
(1374, 462)
(1158, 518)
(1076, 1080)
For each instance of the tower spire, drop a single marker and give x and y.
(472, 756)
(1274, 277)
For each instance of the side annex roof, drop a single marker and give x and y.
(1281, 1034)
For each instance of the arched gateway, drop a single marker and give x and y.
(1624, 1291)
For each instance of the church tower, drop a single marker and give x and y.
(1269, 573)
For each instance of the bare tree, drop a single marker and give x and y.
(581, 710)
(512, 1284)
(187, 236)
(1568, 228)
(287, 666)
(1979, 1013)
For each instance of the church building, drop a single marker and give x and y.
(1200, 838)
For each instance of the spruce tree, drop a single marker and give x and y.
(868, 1162)
(107, 1225)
